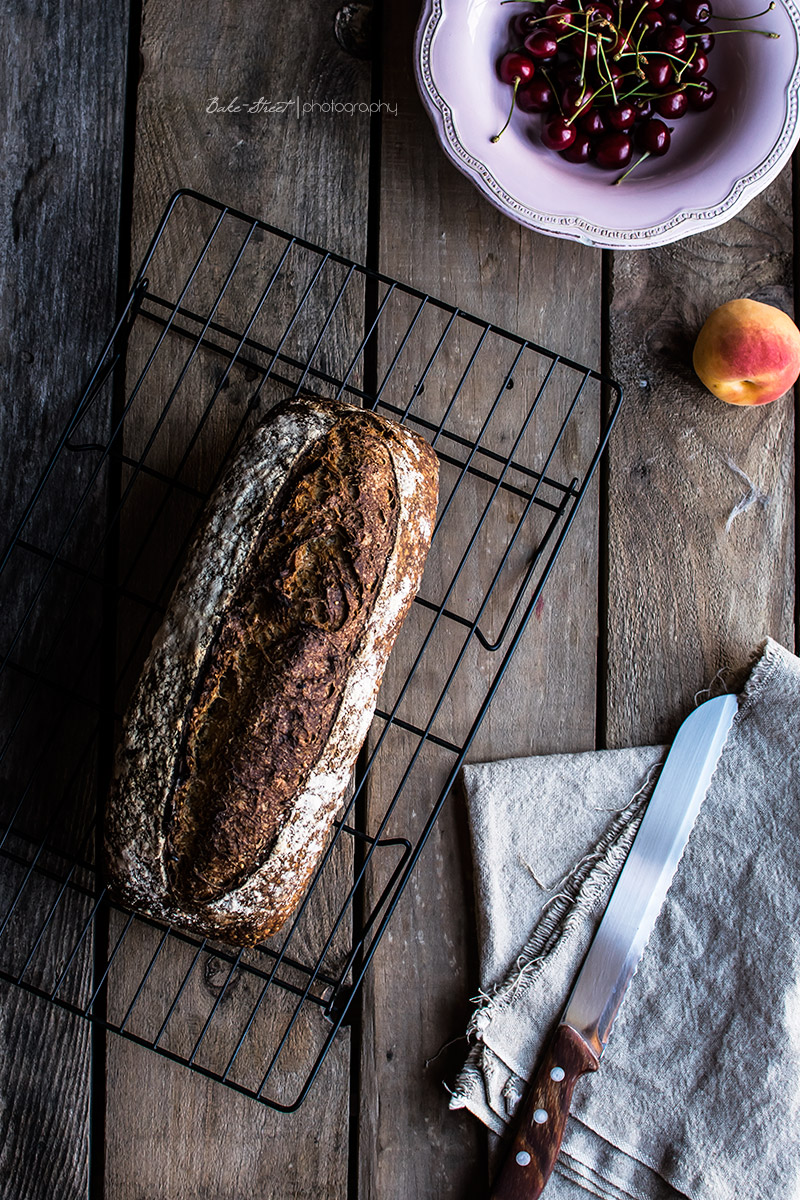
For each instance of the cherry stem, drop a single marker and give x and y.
(497, 136)
(683, 61)
(609, 77)
(553, 90)
(585, 48)
(752, 16)
(687, 63)
(639, 13)
(745, 29)
(633, 168)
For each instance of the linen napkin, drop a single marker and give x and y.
(698, 1092)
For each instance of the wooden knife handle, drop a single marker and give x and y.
(542, 1117)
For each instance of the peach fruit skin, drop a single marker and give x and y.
(748, 352)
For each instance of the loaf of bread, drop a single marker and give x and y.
(245, 725)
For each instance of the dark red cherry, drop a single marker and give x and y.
(658, 72)
(696, 12)
(703, 97)
(513, 67)
(541, 45)
(590, 42)
(621, 117)
(559, 18)
(576, 98)
(580, 150)
(536, 96)
(525, 23)
(592, 123)
(672, 39)
(557, 134)
(644, 109)
(650, 21)
(695, 69)
(575, 51)
(702, 38)
(599, 11)
(653, 137)
(621, 44)
(613, 151)
(672, 105)
(568, 72)
(671, 14)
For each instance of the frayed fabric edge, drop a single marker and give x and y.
(575, 895)
(470, 1093)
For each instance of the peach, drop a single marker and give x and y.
(748, 352)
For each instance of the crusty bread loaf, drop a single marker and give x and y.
(261, 683)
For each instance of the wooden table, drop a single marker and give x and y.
(656, 591)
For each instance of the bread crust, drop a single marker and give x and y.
(144, 808)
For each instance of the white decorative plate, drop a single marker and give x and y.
(719, 160)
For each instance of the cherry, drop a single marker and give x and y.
(568, 72)
(593, 123)
(671, 14)
(621, 117)
(599, 11)
(557, 134)
(622, 43)
(702, 38)
(579, 40)
(579, 151)
(613, 151)
(536, 96)
(644, 109)
(696, 12)
(703, 97)
(541, 45)
(650, 21)
(672, 105)
(672, 39)
(523, 24)
(659, 72)
(559, 18)
(653, 137)
(515, 69)
(576, 98)
(696, 67)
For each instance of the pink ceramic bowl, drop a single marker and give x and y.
(718, 161)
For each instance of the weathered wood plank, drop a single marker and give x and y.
(436, 232)
(306, 173)
(692, 585)
(61, 136)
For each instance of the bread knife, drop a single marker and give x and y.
(580, 1038)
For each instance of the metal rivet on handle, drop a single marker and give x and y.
(523, 1158)
(540, 1116)
(557, 1074)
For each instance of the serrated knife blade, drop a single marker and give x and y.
(613, 956)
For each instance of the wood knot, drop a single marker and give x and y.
(353, 29)
(215, 977)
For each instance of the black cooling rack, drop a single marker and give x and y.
(226, 315)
